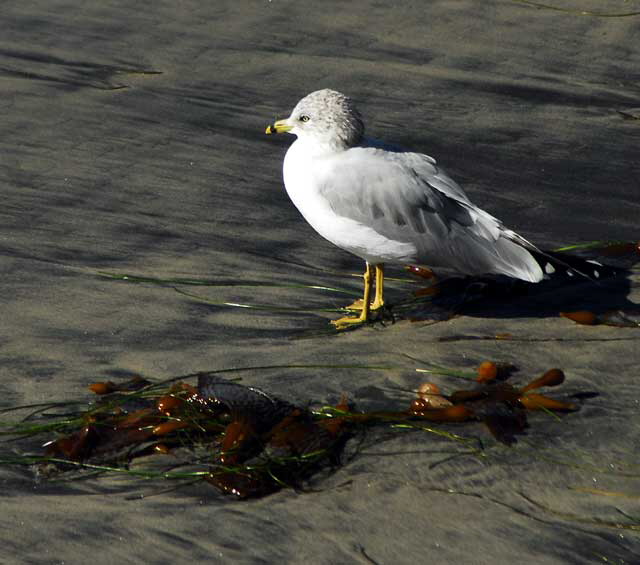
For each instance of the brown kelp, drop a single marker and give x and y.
(616, 318)
(499, 405)
(249, 443)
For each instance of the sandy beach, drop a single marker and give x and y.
(133, 142)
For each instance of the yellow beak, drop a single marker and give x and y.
(281, 126)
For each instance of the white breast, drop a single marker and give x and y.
(355, 237)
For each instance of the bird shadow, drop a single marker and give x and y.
(501, 298)
(584, 300)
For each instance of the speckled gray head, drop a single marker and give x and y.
(326, 116)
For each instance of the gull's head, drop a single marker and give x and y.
(326, 117)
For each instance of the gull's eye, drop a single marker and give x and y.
(304, 118)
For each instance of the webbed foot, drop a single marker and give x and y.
(347, 322)
(357, 305)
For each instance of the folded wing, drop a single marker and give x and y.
(406, 197)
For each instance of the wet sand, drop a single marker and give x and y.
(132, 142)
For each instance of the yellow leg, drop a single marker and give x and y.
(378, 301)
(345, 322)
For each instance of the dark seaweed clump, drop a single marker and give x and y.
(248, 443)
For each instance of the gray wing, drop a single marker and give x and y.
(407, 197)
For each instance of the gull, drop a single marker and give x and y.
(387, 204)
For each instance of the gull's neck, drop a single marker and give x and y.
(319, 147)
